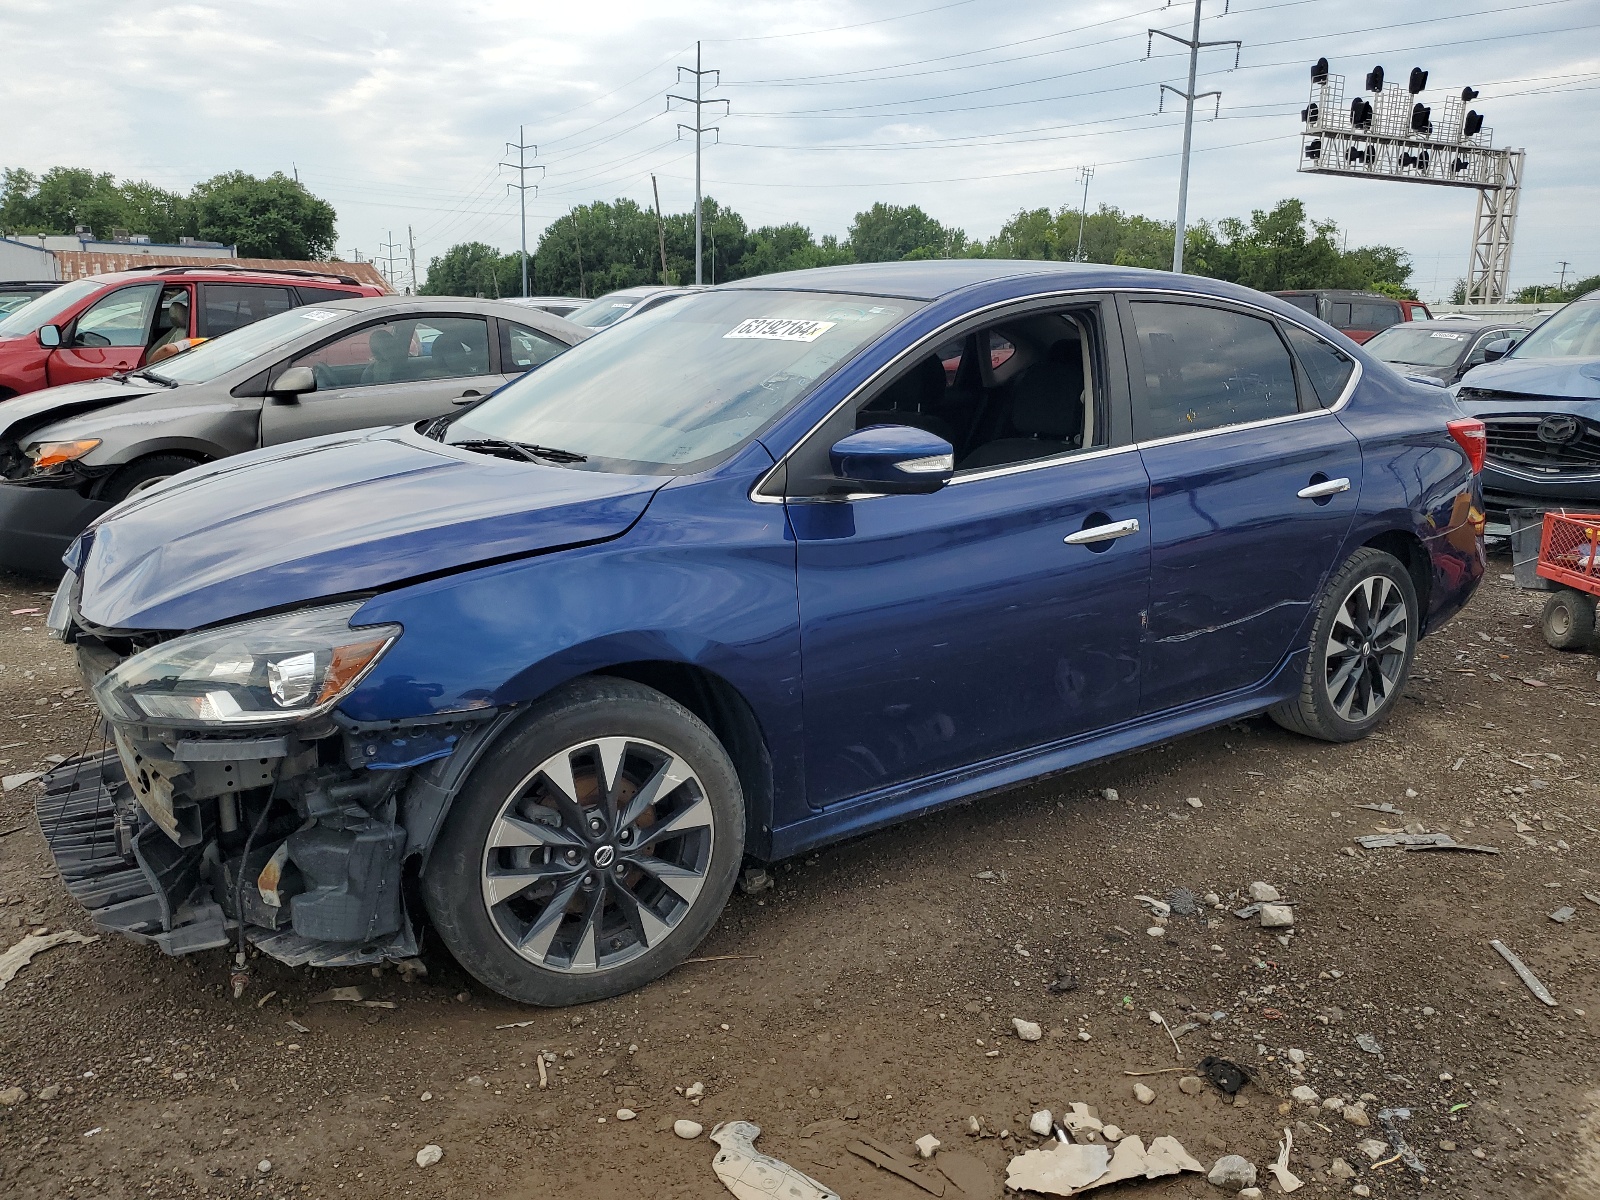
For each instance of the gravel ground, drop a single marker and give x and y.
(871, 993)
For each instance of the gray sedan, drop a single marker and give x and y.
(69, 453)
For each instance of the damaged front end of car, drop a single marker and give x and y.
(231, 802)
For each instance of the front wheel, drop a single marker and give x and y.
(1362, 643)
(591, 850)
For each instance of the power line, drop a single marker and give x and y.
(521, 186)
(699, 129)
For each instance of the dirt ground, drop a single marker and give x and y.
(871, 993)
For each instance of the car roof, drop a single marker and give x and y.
(1470, 325)
(223, 274)
(400, 305)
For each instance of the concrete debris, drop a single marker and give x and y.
(1250, 1193)
(1232, 1172)
(1563, 914)
(694, 1091)
(1110, 794)
(1193, 801)
(1028, 1031)
(1306, 1095)
(1080, 1118)
(1528, 977)
(1340, 1169)
(1420, 841)
(429, 1155)
(1042, 1122)
(1111, 1133)
(1373, 1148)
(751, 1175)
(1369, 1044)
(11, 782)
(1060, 1170)
(1191, 1085)
(927, 1144)
(1276, 916)
(1143, 1094)
(12, 1096)
(1356, 1114)
(626, 1114)
(1160, 907)
(688, 1130)
(1286, 1178)
(1167, 1156)
(889, 1159)
(20, 955)
(1264, 893)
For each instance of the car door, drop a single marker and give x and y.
(1253, 485)
(389, 372)
(108, 336)
(942, 630)
(522, 348)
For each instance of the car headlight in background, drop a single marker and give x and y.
(280, 668)
(53, 454)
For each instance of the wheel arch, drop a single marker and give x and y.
(1413, 555)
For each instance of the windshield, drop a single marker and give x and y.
(1574, 332)
(44, 311)
(215, 358)
(676, 387)
(1420, 347)
(602, 312)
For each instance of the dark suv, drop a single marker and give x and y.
(105, 324)
(1540, 399)
(1357, 315)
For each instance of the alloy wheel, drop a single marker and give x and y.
(598, 854)
(1366, 648)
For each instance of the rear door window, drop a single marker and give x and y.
(321, 295)
(225, 307)
(1373, 314)
(403, 351)
(1328, 367)
(1207, 368)
(1339, 314)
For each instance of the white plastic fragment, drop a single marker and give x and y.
(20, 955)
(751, 1175)
(1286, 1178)
(1059, 1170)
(1528, 977)
(927, 1144)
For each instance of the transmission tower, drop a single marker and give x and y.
(522, 166)
(699, 128)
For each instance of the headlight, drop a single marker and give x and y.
(53, 454)
(280, 668)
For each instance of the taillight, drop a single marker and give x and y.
(1472, 436)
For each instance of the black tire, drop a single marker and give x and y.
(645, 926)
(1568, 620)
(144, 473)
(1357, 694)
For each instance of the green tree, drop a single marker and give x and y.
(891, 232)
(1546, 293)
(274, 217)
(63, 198)
(473, 269)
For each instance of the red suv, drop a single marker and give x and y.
(1357, 315)
(103, 324)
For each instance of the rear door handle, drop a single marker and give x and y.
(1329, 487)
(1103, 533)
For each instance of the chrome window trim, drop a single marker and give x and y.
(1017, 468)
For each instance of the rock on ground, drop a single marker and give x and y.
(1234, 1172)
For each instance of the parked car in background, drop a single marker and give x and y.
(15, 294)
(1442, 350)
(1357, 315)
(745, 575)
(69, 453)
(629, 302)
(556, 306)
(1540, 400)
(104, 324)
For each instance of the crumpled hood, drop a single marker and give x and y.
(1575, 378)
(335, 515)
(38, 409)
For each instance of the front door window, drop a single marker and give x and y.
(120, 319)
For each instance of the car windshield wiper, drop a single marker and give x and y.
(527, 450)
(154, 378)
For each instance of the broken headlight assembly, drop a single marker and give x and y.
(287, 667)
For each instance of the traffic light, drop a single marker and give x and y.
(1319, 71)
(1314, 149)
(1459, 165)
(1309, 114)
(1361, 113)
(1419, 80)
(1468, 93)
(1356, 154)
(1418, 160)
(1473, 123)
(1420, 118)
(1375, 79)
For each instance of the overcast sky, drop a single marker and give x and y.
(398, 112)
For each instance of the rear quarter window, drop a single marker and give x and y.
(1328, 367)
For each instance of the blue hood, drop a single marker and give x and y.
(340, 514)
(1573, 378)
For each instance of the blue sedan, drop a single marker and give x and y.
(776, 564)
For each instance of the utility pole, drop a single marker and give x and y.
(1564, 264)
(698, 129)
(412, 238)
(661, 230)
(577, 237)
(389, 256)
(521, 186)
(1085, 174)
(1189, 97)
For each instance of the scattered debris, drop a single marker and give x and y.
(1160, 907)
(1183, 902)
(1232, 1172)
(688, 1130)
(1248, 911)
(1191, 1085)
(1372, 1148)
(1060, 1170)
(429, 1155)
(755, 880)
(20, 955)
(1042, 1122)
(1286, 1178)
(1193, 801)
(751, 1175)
(927, 1144)
(1028, 1031)
(1527, 976)
(1563, 914)
(1366, 1042)
(1110, 794)
(889, 1159)
(544, 1075)
(512, 1025)
(1306, 1095)
(1065, 981)
(297, 1027)
(1385, 807)
(1591, 898)
(12, 782)
(1264, 893)
(412, 969)
(1080, 1118)
(1389, 1120)
(1420, 841)
(1228, 1076)
(1143, 1094)
(1276, 916)
(1340, 1169)
(12, 1096)
(626, 1114)
(341, 995)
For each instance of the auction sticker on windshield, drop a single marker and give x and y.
(780, 329)
(1453, 337)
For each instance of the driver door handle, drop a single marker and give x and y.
(1329, 487)
(1103, 533)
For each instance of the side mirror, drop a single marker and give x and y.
(894, 460)
(49, 336)
(293, 383)
(1498, 349)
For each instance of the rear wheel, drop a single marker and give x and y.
(1362, 643)
(591, 850)
(1569, 620)
(144, 474)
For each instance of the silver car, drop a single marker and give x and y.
(69, 453)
